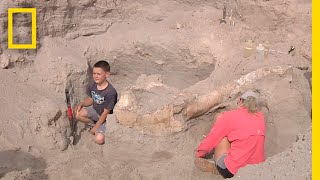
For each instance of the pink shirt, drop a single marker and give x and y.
(245, 131)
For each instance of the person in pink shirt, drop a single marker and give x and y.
(237, 137)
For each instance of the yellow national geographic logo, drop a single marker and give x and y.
(33, 44)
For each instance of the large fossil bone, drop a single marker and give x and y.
(171, 117)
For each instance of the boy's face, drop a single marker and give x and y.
(99, 75)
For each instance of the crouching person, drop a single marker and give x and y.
(100, 103)
(237, 137)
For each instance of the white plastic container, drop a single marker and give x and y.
(260, 53)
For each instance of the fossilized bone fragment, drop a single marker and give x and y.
(171, 118)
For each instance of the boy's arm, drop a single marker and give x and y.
(87, 102)
(108, 107)
(101, 120)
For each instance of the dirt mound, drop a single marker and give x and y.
(293, 163)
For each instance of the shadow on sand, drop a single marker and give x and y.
(12, 160)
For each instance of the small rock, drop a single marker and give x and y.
(179, 26)
(4, 62)
(21, 59)
(159, 62)
(29, 148)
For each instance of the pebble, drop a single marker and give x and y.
(4, 62)
(179, 26)
(159, 62)
(29, 148)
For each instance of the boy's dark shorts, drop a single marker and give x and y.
(94, 117)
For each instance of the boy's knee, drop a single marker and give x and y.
(80, 114)
(99, 139)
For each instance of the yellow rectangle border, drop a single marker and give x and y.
(33, 44)
(315, 90)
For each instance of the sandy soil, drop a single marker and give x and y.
(178, 43)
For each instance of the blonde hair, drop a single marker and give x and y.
(251, 104)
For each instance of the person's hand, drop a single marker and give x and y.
(93, 130)
(79, 107)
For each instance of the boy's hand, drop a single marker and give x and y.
(79, 107)
(93, 130)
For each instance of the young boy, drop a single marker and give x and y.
(101, 101)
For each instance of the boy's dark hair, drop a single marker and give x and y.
(102, 64)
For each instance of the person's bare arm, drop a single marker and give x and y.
(101, 120)
(87, 102)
